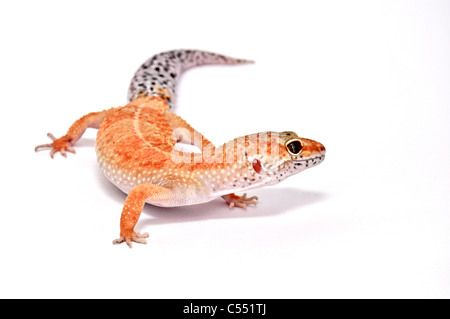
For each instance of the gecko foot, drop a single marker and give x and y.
(240, 201)
(61, 144)
(137, 237)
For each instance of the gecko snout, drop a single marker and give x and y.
(322, 149)
(312, 148)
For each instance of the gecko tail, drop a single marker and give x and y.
(163, 70)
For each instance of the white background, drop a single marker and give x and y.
(370, 80)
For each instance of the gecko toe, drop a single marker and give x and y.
(137, 237)
(118, 241)
(52, 137)
(240, 201)
(62, 145)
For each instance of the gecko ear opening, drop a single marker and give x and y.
(257, 166)
(294, 147)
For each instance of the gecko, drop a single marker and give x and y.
(136, 147)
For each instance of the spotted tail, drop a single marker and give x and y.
(163, 70)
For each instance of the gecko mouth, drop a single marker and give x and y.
(309, 162)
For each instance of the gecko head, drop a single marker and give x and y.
(286, 154)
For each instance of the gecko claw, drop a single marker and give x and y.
(240, 201)
(70, 149)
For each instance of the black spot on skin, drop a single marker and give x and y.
(173, 75)
(161, 75)
(157, 69)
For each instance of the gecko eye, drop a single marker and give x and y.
(294, 147)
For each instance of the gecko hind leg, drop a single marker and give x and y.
(132, 210)
(186, 134)
(65, 143)
(61, 145)
(137, 237)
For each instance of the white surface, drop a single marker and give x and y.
(370, 80)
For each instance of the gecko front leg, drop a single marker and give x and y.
(201, 142)
(234, 200)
